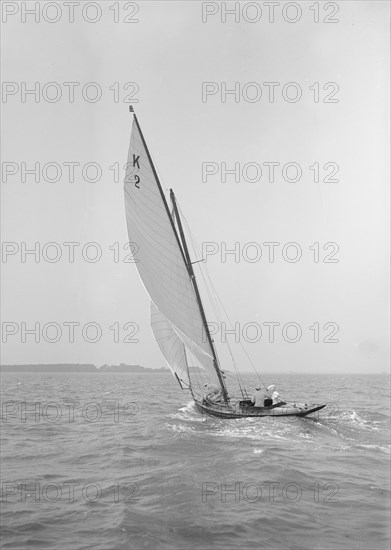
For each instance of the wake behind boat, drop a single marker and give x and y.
(178, 316)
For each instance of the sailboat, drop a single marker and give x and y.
(178, 318)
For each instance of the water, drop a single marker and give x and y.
(125, 461)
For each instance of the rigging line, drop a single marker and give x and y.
(194, 369)
(187, 368)
(220, 319)
(214, 300)
(240, 342)
(221, 304)
(198, 297)
(218, 315)
(197, 372)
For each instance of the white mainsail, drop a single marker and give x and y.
(159, 256)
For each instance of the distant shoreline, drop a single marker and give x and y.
(83, 368)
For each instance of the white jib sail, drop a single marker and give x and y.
(170, 345)
(174, 346)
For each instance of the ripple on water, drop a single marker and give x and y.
(172, 451)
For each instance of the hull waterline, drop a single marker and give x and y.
(233, 412)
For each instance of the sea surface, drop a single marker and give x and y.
(117, 461)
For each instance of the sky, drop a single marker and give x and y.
(158, 56)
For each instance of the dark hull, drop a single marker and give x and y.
(236, 411)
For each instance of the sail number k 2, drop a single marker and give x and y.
(136, 163)
(132, 168)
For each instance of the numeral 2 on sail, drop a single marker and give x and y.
(136, 177)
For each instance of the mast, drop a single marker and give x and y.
(197, 293)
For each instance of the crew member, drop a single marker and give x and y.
(258, 398)
(212, 392)
(276, 397)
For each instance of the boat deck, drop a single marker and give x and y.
(243, 410)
